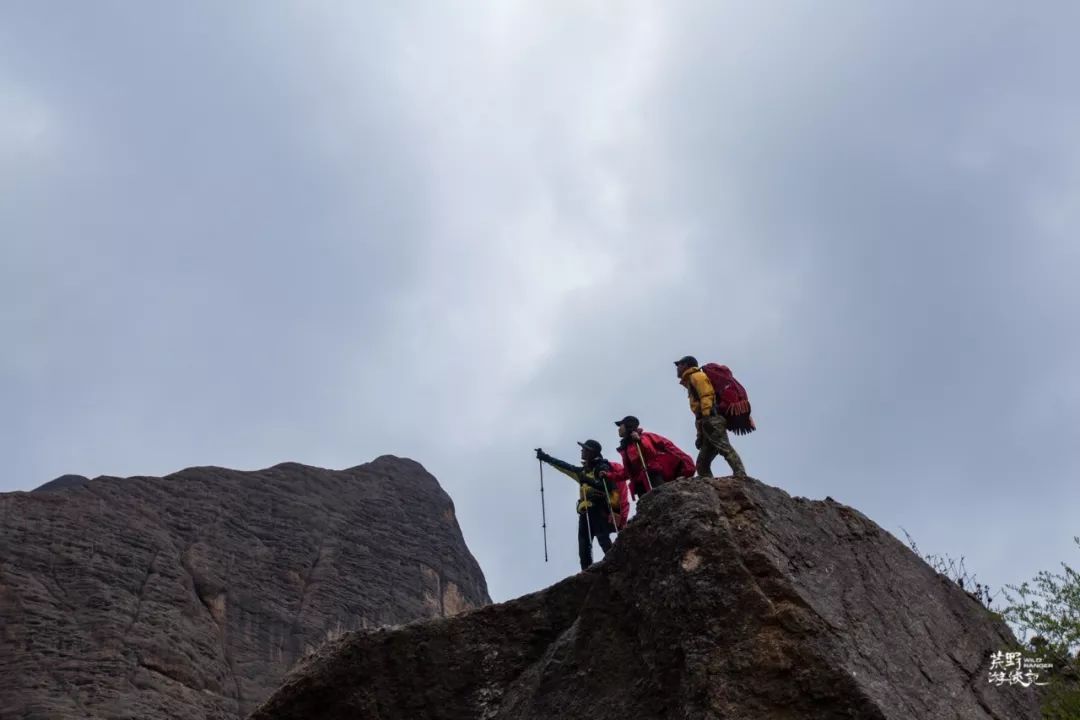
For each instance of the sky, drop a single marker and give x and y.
(239, 234)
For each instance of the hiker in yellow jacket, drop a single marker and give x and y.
(712, 435)
(602, 504)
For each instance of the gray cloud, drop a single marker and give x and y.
(238, 236)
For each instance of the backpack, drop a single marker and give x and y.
(731, 399)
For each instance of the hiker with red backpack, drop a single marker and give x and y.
(650, 459)
(719, 404)
(602, 504)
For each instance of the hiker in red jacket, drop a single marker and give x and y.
(650, 459)
(712, 425)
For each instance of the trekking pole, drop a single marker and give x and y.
(543, 509)
(644, 468)
(611, 510)
(588, 525)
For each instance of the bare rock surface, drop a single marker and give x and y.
(723, 598)
(190, 596)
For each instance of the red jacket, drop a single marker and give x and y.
(616, 483)
(663, 458)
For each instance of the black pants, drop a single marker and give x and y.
(595, 519)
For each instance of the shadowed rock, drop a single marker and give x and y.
(190, 596)
(722, 599)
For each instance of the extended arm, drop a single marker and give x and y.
(572, 471)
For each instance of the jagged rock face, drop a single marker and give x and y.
(190, 596)
(724, 599)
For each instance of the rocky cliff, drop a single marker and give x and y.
(723, 599)
(190, 596)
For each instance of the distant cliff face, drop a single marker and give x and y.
(722, 599)
(190, 596)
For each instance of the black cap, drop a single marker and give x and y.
(630, 421)
(592, 445)
(687, 360)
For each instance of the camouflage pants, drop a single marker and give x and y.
(714, 441)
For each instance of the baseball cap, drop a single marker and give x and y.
(592, 445)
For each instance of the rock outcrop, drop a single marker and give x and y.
(723, 599)
(190, 596)
(63, 482)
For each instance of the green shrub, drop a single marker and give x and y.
(1047, 610)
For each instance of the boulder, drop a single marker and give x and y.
(723, 598)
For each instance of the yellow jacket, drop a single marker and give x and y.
(700, 391)
(588, 479)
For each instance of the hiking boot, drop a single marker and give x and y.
(737, 469)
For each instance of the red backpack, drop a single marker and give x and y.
(731, 399)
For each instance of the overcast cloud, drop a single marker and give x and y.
(239, 234)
